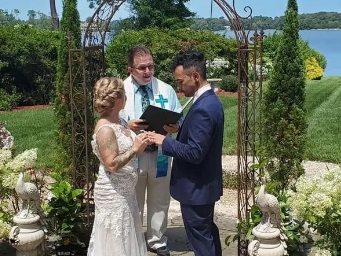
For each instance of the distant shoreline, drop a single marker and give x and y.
(323, 29)
(315, 29)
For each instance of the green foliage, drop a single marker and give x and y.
(319, 20)
(229, 83)
(65, 210)
(7, 18)
(308, 53)
(8, 101)
(212, 24)
(28, 63)
(165, 44)
(70, 23)
(5, 215)
(39, 19)
(166, 14)
(284, 123)
(271, 44)
(313, 70)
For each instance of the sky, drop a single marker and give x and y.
(202, 8)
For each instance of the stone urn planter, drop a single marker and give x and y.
(27, 236)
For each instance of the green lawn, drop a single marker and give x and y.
(33, 129)
(323, 103)
(36, 128)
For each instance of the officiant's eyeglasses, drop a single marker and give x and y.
(144, 68)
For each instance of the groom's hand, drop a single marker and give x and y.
(156, 138)
(171, 128)
(137, 124)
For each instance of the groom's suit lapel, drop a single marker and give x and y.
(204, 95)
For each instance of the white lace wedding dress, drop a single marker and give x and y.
(117, 229)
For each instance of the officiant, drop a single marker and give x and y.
(143, 89)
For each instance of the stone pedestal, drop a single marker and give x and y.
(269, 242)
(27, 237)
(214, 82)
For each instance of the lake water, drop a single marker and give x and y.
(327, 42)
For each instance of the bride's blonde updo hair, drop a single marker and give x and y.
(107, 91)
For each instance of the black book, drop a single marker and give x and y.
(157, 117)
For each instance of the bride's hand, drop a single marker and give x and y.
(140, 143)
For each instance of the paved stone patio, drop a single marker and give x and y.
(178, 242)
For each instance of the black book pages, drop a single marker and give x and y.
(157, 117)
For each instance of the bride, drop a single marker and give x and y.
(117, 229)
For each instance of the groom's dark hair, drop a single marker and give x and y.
(191, 60)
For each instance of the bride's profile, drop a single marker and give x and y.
(117, 229)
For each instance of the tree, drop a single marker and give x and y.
(41, 21)
(171, 14)
(16, 13)
(31, 15)
(55, 18)
(6, 18)
(284, 115)
(70, 23)
(94, 3)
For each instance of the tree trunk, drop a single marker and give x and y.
(55, 19)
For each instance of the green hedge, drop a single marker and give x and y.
(229, 83)
(28, 62)
(165, 44)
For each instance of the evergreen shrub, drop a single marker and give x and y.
(229, 83)
(284, 117)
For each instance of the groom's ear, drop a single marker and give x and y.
(129, 70)
(196, 76)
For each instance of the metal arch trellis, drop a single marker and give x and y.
(89, 63)
(250, 79)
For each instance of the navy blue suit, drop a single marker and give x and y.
(196, 179)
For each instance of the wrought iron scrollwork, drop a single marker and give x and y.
(89, 63)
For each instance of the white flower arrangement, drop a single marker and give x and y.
(10, 167)
(322, 252)
(26, 159)
(318, 202)
(314, 197)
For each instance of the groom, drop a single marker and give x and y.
(196, 177)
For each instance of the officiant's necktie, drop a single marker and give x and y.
(145, 103)
(145, 98)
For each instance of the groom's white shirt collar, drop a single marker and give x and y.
(201, 90)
